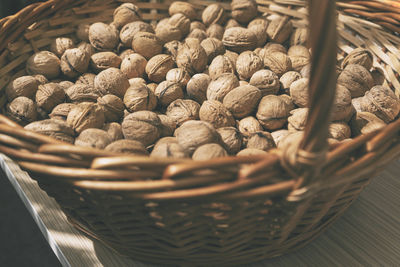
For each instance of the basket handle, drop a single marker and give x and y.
(305, 158)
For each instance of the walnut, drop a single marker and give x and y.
(183, 110)
(272, 47)
(167, 92)
(22, 86)
(231, 139)
(171, 48)
(142, 126)
(49, 95)
(60, 45)
(290, 139)
(231, 23)
(249, 125)
(114, 130)
(83, 32)
(213, 14)
(86, 79)
(298, 119)
(382, 102)
(146, 44)
(215, 31)
(215, 113)
(192, 56)
(213, 47)
(261, 140)
(84, 116)
(103, 37)
(65, 85)
(299, 56)
(134, 66)
(342, 108)
(104, 60)
(267, 81)
(288, 78)
(251, 152)
(137, 82)
(356, 102)
(185, 8)
(339, 131)
(259, 27)
(247, 64)
(126, 53)
(279, 135)
(82, 93)
(94, 138)
(158, 66)
(139, 97)
(356, 79)
(359, 56)
(221, 64)
(53, 128)
(365, 122)
(209, 151)
(221, 86)
(125, 14)
(60, 112)
(272, 112)
(239, 39)
(299, 92)
(278, 62)
(178, 75)
(87, 48)
(111, 81)
(168, 125)
(41, 79)
(44, 63)
(180, 21)
(306, 71)
(112, 106)
(22, 110)
(74, 62)
(197, 25)
(289, 101)
(244, 10)
(196, 88)
(128, 147)
(280, 29)
(242, 100)
(167, 32)
(129, 30)
(168, 147)
(198, 34)
(299, 36)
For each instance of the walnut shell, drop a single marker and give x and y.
(339, 131)
(359, 56)
(82, 93)
(213, 47)
(250, 152)
(197, 25)
(356, 79)
(278, 62)
(167, 92)
(193, 134)
(192, 56)
(53, 128)
(242, 100)
(112, 106)
(171, 48)
(244, 10)
(215, 31)
(178, 75)
(259, 27)
(87, 48)
(198, 34)
(209, 151)
(231, 23)
(279, 135)
(365, 122)
(168, 125)
(158, 66)
(272, 112)
(249, 125)
(128, 147)
(288, 78)
(104, 60)
(167, 32)
(247, 64)
(22, 86)
(125, 14)
(22, 110)
(49, 95)
(60, 45)
(272, 47)
(299, 56)
(221, 64)
(185, 8)
(139, 97)
(114, 130)
(220, 87)
(196, 88)
(231, 139)
(134, 66)
(84, 116)
(298, 119)
(126, 53)
(103, 37)
(146, 44)
(168, 147)
(41, 79)
(83, 32)
(74, 62)
(267, 81)
(239, 39)
(299, 36)
(111, 81)
(180, 21)
(215, 113)
(44, 63)
(213, 14)
(142, 126)
(65, 85)
(129, 30)
(86, 79)
(60, 112)
(261, 140)
(94, 138)
(342, 108)
(299, 92)
(280, 29)
(182, 110)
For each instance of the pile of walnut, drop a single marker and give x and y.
(225, 84)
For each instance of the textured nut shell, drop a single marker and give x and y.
(272, 47)
(290, 139)
(158, 66)
(288, 78)
(139, 97)
(168, 147)
(49, 95)
(277, 62)
(185, 8)
(146, 44)
(365, 122)
(191, 56)
(193, 134)
(249, 125)
(215, 31)
(61, 111)
(87, 79)
(299, 36)
(359, 56)
(182, 110)
(267, 81)
(220, 87)
(22, 110)
(279, 135)
(197, 25)
(299, 92)
(298, 119)
(94, 138)
(65, 85)
(126, 53)
(44, 63)
(180, 21)
(84, 116)
(82, 93)
(178, 75)
(134, 66)
(232, 23)
(209, 151)
(74, 62)
(167, 32)
(103, 36)
(221, 64)
(259, 27)
(168, 125)
(111, 81)
(261, 140)
(114, 130)
(356, 79)
(342, 107)
(250, 152)
(339, 131)
(129, 30)
(142, 126)
(83, 32)
(299, 56)
(272, 112)
(242, 100)
(198, 34)
(60, 44)
(289, 101)
(239, 39)
(126, 13)
(279, 30)
(215, 113)
(244, 10)
(167, 92)
(22, 86)
(128, 147)
(213, 47)
(53, 128)
(104, 60)
(247, 64)
(213, 14)
(41, 79)
(171, 48)
(88, 48)
(112, 106)
(231, 139)
(196, 88)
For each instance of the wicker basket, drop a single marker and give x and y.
(227, 211)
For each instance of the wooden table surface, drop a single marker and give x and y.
(368, 234)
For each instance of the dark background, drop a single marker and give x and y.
(21, 242)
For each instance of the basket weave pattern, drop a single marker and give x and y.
(221, 212)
